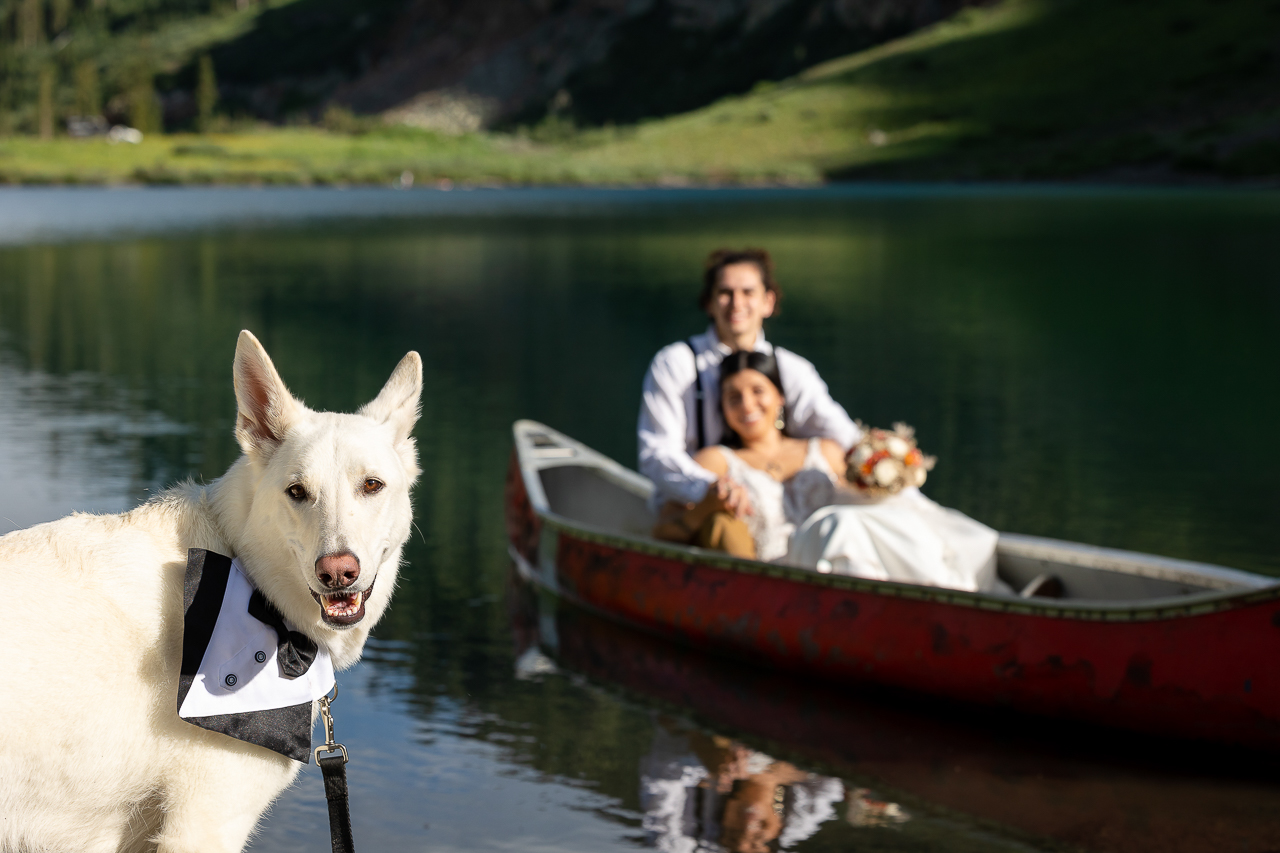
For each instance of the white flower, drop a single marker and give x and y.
(918, 476)
(861, 454)
(886, 471)
(897, 447)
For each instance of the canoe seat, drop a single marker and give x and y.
(588, 495)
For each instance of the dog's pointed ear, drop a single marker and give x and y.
(266, 409)
(398, 403)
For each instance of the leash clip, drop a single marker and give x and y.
(329, 746)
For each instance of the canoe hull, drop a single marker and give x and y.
(1205, 670)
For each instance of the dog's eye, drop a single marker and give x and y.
(372, 486)
(297, 491)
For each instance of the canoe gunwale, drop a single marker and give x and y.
(1079, 609)
(1131, 563)
(1229, 594)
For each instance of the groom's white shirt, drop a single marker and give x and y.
(668, 428)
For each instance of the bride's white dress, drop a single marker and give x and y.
(808, 522)
(779, 508)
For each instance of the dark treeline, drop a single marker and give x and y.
(109, 60)
(161, 65)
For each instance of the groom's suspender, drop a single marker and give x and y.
(697, 396)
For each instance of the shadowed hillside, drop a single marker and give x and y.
(1027, 89)
(1177, 91)
(598, 62)
(438, 64)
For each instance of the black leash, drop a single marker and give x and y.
(334, 768)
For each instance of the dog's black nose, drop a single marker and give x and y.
(337, 571)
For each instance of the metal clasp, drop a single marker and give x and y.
(329, 745)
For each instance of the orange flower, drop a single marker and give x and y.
(867, 466)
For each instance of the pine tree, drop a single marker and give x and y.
(144, 106)
(206, 93)
(31, 23)
(45, 106)
(61, 14)
(88, 91)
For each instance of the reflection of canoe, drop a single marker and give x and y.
(1141, 642)
(1074, 784)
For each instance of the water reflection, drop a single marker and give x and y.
(74, 442)
(942, 776)
(1065, 357)
(1075, 360)
(446, 781)
(708, 792)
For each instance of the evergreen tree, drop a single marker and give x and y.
(206, 93)
(45, 105)
(61, 14)
(144, 106)
(88, 90)
(31, 23)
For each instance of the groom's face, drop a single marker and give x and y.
(740, 303)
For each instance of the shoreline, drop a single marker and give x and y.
(1164, 179)
(35, 215)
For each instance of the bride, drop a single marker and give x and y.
(800, 509)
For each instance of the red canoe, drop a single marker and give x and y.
(1141, 642)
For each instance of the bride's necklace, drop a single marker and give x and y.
(772, 467)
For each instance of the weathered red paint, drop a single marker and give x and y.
(1213, 675)
(523, 524)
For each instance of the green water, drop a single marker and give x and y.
(1099, 366)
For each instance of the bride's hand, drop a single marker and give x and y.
(732, 497)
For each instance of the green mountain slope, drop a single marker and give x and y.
(1024, 89)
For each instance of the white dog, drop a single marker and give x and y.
(93, 754)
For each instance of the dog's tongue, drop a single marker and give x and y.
(343, 605)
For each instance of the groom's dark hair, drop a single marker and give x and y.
(721, 258)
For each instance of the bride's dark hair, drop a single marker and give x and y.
(736, 362)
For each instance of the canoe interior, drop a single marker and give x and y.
(584, 494)
(582, 486)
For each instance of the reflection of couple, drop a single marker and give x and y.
(746, 448)
(703, 792)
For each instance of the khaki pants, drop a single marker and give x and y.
(720, 532)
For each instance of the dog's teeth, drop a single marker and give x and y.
(343, 604)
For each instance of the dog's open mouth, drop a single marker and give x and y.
(342, 608)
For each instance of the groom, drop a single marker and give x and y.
(680, 407)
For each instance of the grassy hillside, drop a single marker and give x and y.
(1023, 89)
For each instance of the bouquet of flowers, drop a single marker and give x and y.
(885, 462)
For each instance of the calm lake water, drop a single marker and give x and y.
(1092, 365)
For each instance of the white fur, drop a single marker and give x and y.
(93, 756)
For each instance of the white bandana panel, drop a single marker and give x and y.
(238, 673)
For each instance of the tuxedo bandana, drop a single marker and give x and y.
(245, 672)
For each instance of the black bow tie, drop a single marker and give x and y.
(294, 651)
